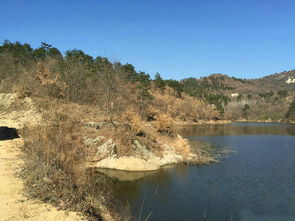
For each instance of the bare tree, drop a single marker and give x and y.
(108, 85)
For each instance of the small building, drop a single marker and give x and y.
(234, 95)
(290, 81)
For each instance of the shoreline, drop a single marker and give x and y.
(149, 162)
(265, 121)
(201, 122)
(212, 122)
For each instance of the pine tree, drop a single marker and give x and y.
(291, 111)
(159, 82)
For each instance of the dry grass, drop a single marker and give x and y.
(185, 108)
(163, 124)
(54, 170)
(55, 158)
(132, 119)
(182, 146)
(70, 93)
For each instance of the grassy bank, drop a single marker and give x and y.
(55, 171)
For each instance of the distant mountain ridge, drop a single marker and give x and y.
(235, 98)
(278, 81)
(226, 84)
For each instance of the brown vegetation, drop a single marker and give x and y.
(164, 123)
(55, 169)
(186, 108)
(265, 99)
(73, 90)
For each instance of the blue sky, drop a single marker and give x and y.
(177, 38)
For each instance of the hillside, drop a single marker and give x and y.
(220, 83)
(76, 113)
(266, 98)
(90, 113)
(278, 81)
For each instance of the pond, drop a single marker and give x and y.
(256, 182)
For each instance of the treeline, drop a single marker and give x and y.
(250, 101)
(23, 56)
(77, 76)
(205, 89)
(291, 111)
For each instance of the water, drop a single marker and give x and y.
(257, 182)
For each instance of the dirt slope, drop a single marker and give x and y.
(15, 112)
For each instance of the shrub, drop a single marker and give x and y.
(182, 146)
(164, 124)
(132, 119)
(55, 171)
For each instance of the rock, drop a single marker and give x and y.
(129, 163)
(98, 125)
(90, 141)
(93, 158)
(170, 156)
(144, 159)
(95, 125)
(132, 163)
(179, 137)
(192, 158)
(108, 149)
(142, 151)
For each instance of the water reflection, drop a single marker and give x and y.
(124, 175)
(236, 129)
(255, 183)
(131, 190)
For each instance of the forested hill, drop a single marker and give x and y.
(112, 86)
(278, 81)
(256, 99)
(222, 83)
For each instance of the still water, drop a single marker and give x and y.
(256, 182)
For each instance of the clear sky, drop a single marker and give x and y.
(177, 38)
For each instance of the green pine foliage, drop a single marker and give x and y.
(291, 111)
(159, 82)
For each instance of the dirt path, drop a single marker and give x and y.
(13, 205)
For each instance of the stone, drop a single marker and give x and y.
(127, 163)
(89, 141)
(142, 151)
(108, 149)
(95, 125)
(170, 156)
